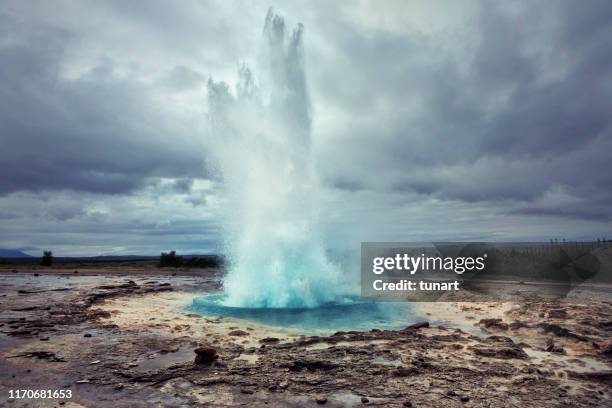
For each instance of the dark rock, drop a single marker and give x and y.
(549, 345)
(99, 314)
(446, 337)
(43, 355)
(604, 377)
(493, 323)
(364, 400)
(404, 372)
(517, 325)
(237, 333)
(205, 355)
(557, 314)
(87, 335)
(312, 365)
(417, 326)
(607, 350)
(552, 348)
(25, 309)
(247, 391)
(23, 332)
(44, 339)
(560, 331)
(407, 404)
(504, 353)
(465, 398)
(269, 340)
(605, 325)
(321, 399)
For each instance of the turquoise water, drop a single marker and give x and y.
(351, 313)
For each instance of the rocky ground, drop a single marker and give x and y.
(125, 341)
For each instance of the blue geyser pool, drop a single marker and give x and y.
(350, 313)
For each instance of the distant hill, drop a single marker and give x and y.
(13, 253)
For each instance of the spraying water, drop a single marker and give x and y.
(262, 133)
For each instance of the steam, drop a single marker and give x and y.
(262, 133)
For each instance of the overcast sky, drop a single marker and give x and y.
(432, 120)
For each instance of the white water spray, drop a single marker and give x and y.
(262, 133)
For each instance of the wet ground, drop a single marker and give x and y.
(128, 340)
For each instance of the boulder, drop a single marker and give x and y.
(205, 355)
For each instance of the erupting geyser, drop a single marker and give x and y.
(262, 133)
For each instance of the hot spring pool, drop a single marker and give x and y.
(352, 313)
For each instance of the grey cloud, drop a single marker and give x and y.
(526, 110)
(100, 132)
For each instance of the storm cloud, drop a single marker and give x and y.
(457, 120)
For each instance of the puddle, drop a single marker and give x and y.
(350, 314)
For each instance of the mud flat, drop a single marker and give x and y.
(125, 340)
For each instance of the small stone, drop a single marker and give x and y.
(44, 339)
(407, 404)
(269, 340)
(205, 355)
(247, 391)
(283, 384)
(321, 399)
(118, 386)
(451, 393)
(417, 326)
(557, 314)
(465, 398)
(87, 335)
(237, 333)
(364, 400)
